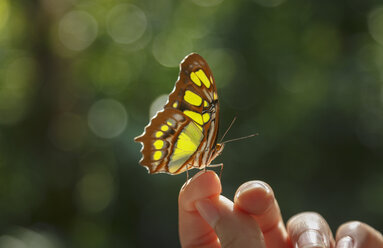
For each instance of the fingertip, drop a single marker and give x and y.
(199, 177)
(310, 228)
(359, 234)
(257, 199)
(254, 197)
(204, 184)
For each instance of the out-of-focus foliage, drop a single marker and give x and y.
(78, 79)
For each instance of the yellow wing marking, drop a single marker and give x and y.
(158, 134)
(215, 96)
(194, 116)
(186, 145)
(164, 128)
(157, 155)
(158, 144)
(195, 79)
(203, 78)
(175, 104)
(205, 103)
(206, 117)
(192, 98)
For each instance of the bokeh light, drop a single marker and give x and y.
(107, 118)
(77, 30)
(375, 24)
(193, 21)
(169, 48)
(224, 66)
(8, 241)
(4, 13)
(157, 105)
(111, 72)
(126, 23)
(95, 191)
(20, 237)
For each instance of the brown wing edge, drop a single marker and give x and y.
(147, 138)
(190, 63)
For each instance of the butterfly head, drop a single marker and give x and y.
(217, 150)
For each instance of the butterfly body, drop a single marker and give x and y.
(184, 134)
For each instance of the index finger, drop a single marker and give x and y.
(193, 229)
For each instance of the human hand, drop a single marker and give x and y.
(207, 219)
(310, 228)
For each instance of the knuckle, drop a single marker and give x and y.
(231, 234)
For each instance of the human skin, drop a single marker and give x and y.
(253, 219)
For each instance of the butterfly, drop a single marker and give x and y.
(183, 135)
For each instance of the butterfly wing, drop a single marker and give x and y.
(169, 141)
(184, 133)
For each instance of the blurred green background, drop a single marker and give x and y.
(79, 79)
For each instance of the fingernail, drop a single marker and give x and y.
(310, 239)
(345, 242)
(251, 185)
(208, 211)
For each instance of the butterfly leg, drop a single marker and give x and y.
(187, 172)
(218, 165)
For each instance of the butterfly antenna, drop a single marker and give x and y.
(227, 130)
(245, 137)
